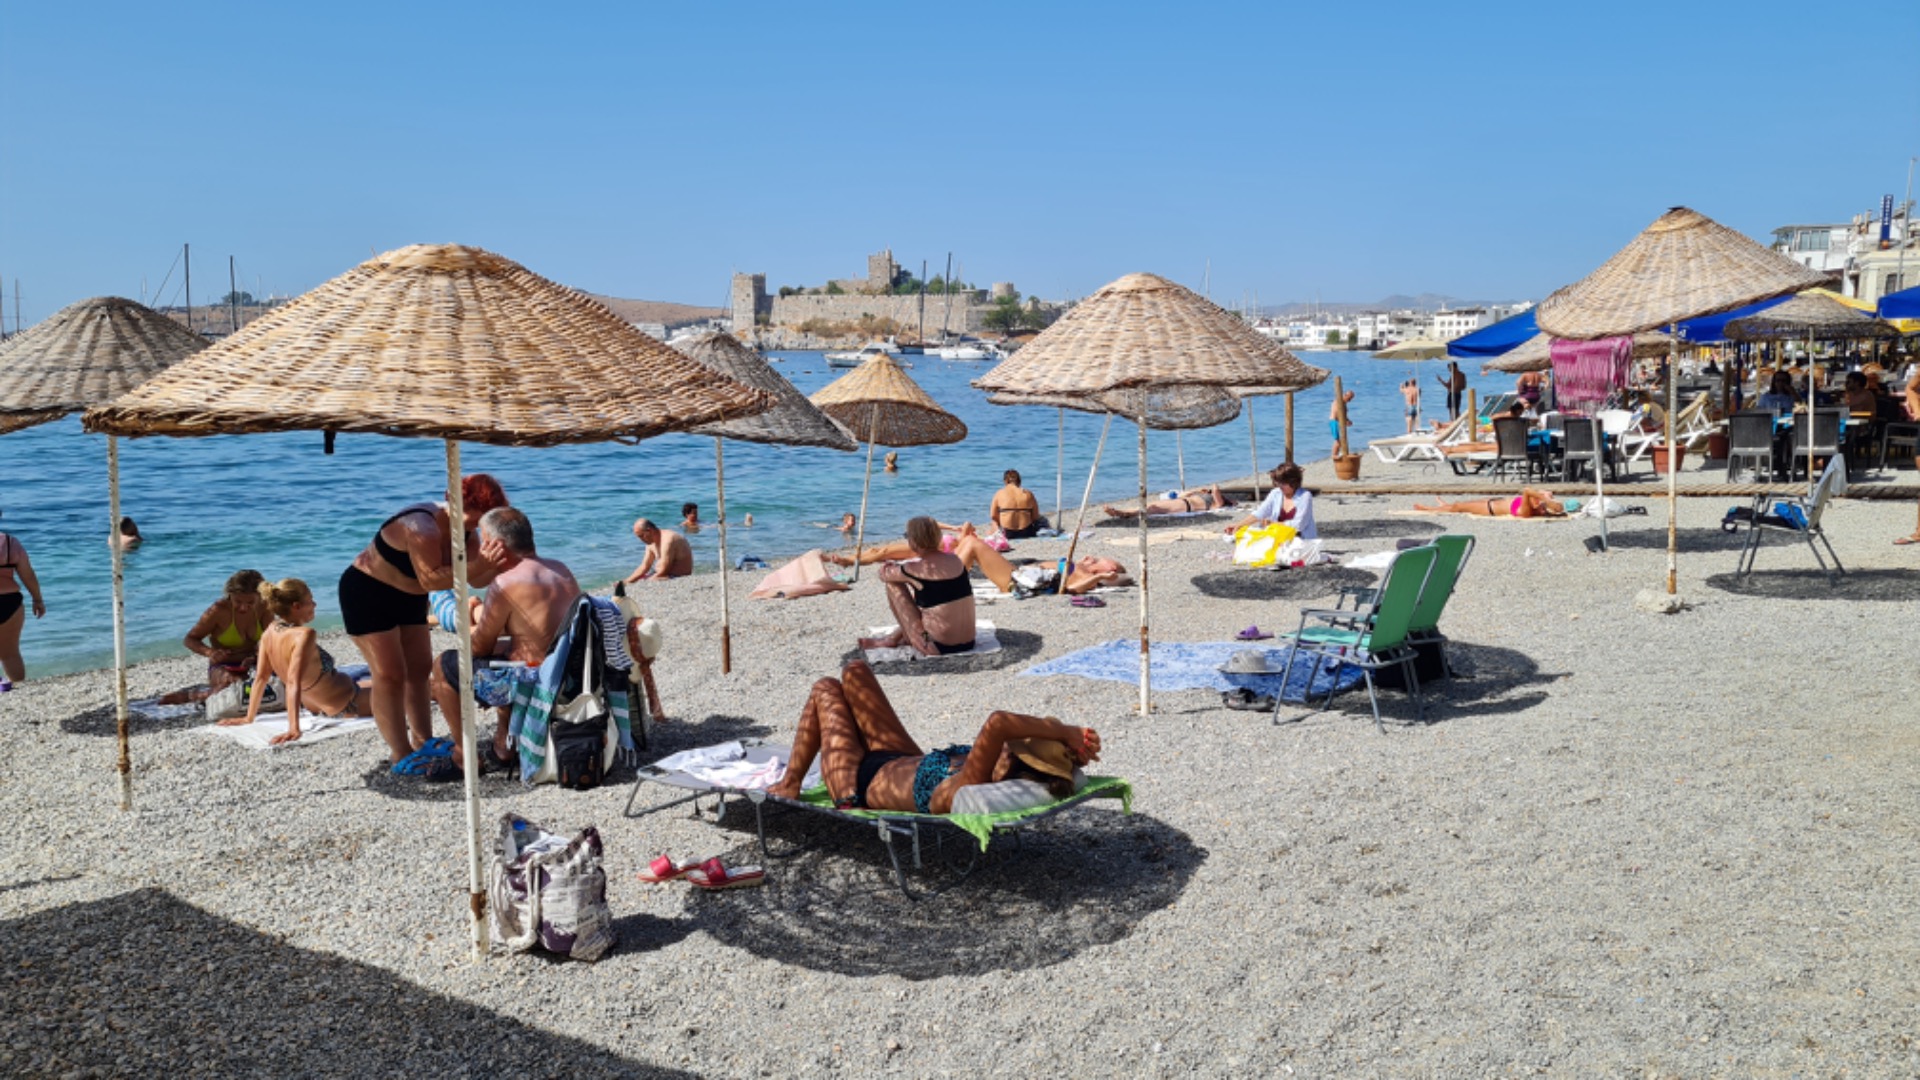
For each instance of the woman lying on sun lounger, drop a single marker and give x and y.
(1190, 501)
(869, 761)
(1530, 503)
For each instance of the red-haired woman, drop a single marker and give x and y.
(383, 601)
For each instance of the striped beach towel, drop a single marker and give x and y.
(534, 700)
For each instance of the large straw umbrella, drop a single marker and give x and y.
(1173, 408)
(793, 421)
(87, 354)
(1143, 332)
(444, 342)
(1683, 265)
(1812, 316)
(878, 402)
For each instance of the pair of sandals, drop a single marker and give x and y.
(711, 875)
(1907, 540)
(433, 762)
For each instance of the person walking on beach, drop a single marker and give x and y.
(1410, 391)
(1455, 382)
(1014, 509)
(668, 553)
(16, 572)
(524, 609)
(383, 601)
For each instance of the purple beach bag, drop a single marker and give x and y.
(546, 890)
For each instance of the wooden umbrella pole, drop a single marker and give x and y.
(1289, 427)
(1340, 403)
(1074, 543)
(726, 626)
(1253, 446)
(1673, 468)
(1473, 415)
(1146, 698)
(469, 738)
(866, 486)
(125, 763)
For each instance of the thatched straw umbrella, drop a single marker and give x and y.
(1174, 408)
(1141, 332)
(1809, 317)
(87, 354)
(878, 402)
(446, 342)
(793, 421)
(1682, 266)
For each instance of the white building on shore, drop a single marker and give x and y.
(1853, 250)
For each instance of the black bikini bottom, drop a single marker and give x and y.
(10, 605)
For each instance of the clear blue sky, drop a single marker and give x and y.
(648, 150)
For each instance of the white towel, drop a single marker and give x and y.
(985, 640)
(260, 734)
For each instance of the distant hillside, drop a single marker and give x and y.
(659, 311)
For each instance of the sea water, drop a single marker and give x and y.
(278, 504)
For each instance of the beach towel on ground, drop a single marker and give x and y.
(534, 701)
(984, 641)
(1195, 666)
(805, 576)
(314, 728)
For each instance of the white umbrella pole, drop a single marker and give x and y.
(860, 526)
(1060, 470)
(1146, 697)
(1180, 454)
(1074, 543)
(1809, 412)
(1673, 469)
(469, 738)
(125, 764)
(726, 626)
(1253, 446)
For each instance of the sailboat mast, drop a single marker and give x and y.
(233, 300)
(922, 332)
(947, 288)
(186, 253)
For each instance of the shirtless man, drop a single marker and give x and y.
(668, 553)
(1015, 509)
(1455, 383)
(522, 612)
(1410, 390)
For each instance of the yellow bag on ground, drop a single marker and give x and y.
(1260, 546)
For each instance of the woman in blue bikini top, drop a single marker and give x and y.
(869, 761)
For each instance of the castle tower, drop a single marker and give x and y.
(882, 272)
(748, 299)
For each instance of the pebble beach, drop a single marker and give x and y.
(1621, 842)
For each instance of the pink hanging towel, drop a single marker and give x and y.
(1585, 372)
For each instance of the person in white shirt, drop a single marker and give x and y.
(1288, 504)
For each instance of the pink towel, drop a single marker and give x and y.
(1585, 372)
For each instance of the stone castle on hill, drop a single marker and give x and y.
(851, 301)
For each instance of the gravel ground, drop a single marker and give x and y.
(1623, 842)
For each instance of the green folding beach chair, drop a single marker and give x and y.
(1450, 561)
(1370, 637)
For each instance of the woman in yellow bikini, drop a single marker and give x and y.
(228, 633)
(291, 652)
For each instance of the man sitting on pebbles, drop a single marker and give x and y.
(522, 613)
(668, 553)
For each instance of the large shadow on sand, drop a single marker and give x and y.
(1016, 648)
(1081, 880)
(1306, 583)
(1488, 681)
(1392, 528)
(143, 984)
(103, 722)
(1806, 582)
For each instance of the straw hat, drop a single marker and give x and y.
(1683, 266)
(1536, 353)
(1247, 662)
(1809, 315)
(793, 421)
(1144, 330)
(1047, 756)
(86, 354)
(442, 341)
(1169, 408)
(878, 401)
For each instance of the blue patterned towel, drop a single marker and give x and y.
(1196, 666)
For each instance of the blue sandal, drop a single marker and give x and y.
(416, 763)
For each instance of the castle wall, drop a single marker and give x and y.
(905, 310)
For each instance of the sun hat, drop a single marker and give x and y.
(1247, 662)
(1043, 755)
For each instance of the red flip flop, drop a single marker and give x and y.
(713, 876)
(664, 869)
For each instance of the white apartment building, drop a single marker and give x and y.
(1852, 250)
(1459, 322)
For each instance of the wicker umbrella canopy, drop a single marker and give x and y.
(1169, 408)
(1536, 353)
(1682, 266)
(1810, 315)
(86, 354)
(1144, 330)
(793, 420)
(877, 401)
(443, 341)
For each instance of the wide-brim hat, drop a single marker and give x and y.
(1049, 756)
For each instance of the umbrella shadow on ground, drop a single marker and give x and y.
(1376, 528)
(1079, 881)
(1694, 539)
(677, 735)
(1016, 648)
(92, 991)
(1889, 586)
(1487, 681)
(1307, 583)
(102, 722)
(493, 785)
(1160, 521)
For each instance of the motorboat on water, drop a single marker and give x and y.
(970, 350)
(867, 352)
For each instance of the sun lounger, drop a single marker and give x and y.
(1419, 445)
(889, 825)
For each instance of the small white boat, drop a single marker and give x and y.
(855, 359)
(970, 350)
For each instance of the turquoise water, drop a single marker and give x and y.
(277, 504)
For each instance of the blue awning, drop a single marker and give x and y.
(1709, 329)
(1904, 304)
(1490, 341)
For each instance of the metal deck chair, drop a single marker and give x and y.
(1582, 445)
(1370, 638)
(1510, 442)
(1750, 438)
(1800, 516)
(1825, 427)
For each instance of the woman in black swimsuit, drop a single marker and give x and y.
(15, 564)
(868, 760)
(930, 594)
(383, 601)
